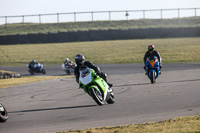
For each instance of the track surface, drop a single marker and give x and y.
(58, 105)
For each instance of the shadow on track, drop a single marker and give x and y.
(59, 108)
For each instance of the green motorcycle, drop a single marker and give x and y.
(95, 86)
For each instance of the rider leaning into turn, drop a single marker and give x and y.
(31, 65)
(152, 52)
(81, 63)
(68, 61)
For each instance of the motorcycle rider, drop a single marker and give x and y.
(68, 61)
(80, 61)
(31, 65)
(152, 52)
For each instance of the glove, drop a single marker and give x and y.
(160, 66)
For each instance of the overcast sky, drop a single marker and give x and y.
(36, 7)
(29, 7)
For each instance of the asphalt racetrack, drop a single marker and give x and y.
(58, 105)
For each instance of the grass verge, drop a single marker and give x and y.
(31, 28)
(172, 50)
(178, 125)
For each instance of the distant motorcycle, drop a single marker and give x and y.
(37, 68)
(69, 68)
(3, 113)
(95, 86)
(152, 68)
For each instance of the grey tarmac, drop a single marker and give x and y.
(58, 105)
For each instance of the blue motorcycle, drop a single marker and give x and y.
(152, 68)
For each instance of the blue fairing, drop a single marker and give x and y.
(151, 68)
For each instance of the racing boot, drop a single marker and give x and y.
(109, 84)
(145, 70)
(109, 88)
(160, 68)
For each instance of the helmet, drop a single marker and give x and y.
(80, 59)
(67, 59)
(33, 61)
(151, 48)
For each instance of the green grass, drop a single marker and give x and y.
(28, 28)
(172, 50)
(177, 125)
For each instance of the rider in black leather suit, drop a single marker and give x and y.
(80, 61)
(152, 52)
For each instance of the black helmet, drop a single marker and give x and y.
(151, 48)
(80, 59)
(33, 61)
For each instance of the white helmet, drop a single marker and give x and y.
(67, 59)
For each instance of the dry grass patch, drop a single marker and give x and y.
(177, 125)
(172, 50)
(5, 83)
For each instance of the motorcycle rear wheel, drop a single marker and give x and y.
(112, 98)
(3, 114)
(43, 71)
(97, 96)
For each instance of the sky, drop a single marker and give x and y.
(31, 7)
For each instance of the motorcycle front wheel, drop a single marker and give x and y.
(153, 80)
(31, 72)
(3, 113)
(97, 96)
(68, 72)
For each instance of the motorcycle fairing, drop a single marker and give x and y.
(89, 79)
(152, 62)
(152, 65)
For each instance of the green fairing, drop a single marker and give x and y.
(95, 86)
(98, 80)
(101, 83)
(92, 86)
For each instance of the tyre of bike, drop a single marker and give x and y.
(31, 72)
(111, 100)
(97, 96)
(153, 80)
(3, 113)
(43, 71)
(68, 72)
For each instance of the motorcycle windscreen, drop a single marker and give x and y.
(152, 61)
(85, 78)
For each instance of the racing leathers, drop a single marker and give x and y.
(151, 54)
(31, 66)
